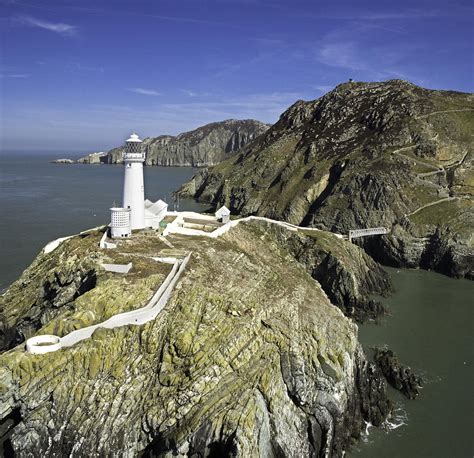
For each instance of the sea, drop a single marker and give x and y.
(430, 324)
(41, 201)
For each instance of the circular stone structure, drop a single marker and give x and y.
(39, 345)
(120, 222)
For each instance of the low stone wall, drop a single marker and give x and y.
(118, 268)
(176, 227)
(40, 345)
(51, 246)
(135, 317)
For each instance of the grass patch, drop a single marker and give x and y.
(457, 214)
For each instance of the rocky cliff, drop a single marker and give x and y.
(94, 158)
(364, 155)
(202, 147)
(255, 362)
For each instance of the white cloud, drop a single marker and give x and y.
(343, 54)
(354, 49)
(143, 91)
(322, 88)
(57, 27)
(14, 75)
(194, 94)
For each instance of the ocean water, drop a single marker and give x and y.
(41, 201)
(430, 326)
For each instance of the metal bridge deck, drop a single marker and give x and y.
(368, 231)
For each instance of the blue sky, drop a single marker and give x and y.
(80, 75)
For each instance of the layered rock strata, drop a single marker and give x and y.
(202, 147)
(400, 377)
(386, 154)
(248, 358)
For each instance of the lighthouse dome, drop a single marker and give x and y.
(134, 139)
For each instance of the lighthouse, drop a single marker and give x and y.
(133, 188)
(135, 212)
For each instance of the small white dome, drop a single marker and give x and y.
(134, 139)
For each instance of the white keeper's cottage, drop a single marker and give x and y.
(223, 214)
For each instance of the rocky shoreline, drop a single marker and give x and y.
(400, 377)
(259, 360)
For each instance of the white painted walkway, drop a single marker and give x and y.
(160, 298)
(134, 317)
(176, 226)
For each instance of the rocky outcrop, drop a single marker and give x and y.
(94, 158)
(345, 272)
(202, 147)
(55, 287)
(44, 291)
(63, 161)
(256, 362)
(400, 377)
(364, 155)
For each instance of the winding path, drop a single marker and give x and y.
(134, 317)
(443, 111)
(176, 228)
(160, 297)
(436, 202)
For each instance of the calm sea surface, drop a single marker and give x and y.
(430, 327)
(431, 330)
(41, 201)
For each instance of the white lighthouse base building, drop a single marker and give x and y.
(120, 226)
(154, 213)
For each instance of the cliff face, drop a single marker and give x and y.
(202, 147)
(364, 155)
(94, 158)
(256, 362)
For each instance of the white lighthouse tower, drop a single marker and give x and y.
(133, 189)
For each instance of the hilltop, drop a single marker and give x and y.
(364, 155)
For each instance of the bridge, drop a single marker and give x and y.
(365, 232)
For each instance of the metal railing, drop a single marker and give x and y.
(368, 231)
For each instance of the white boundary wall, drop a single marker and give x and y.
(104, 244)
(135, 317)
(39, 345)
(175, 227)
(118, 268)
(51, 246)
(161, 296)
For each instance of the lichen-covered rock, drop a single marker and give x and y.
(248, 358)
(345, 272)
(68, 289)
(364, 155)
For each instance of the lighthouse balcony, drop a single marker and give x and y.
(134, 157)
